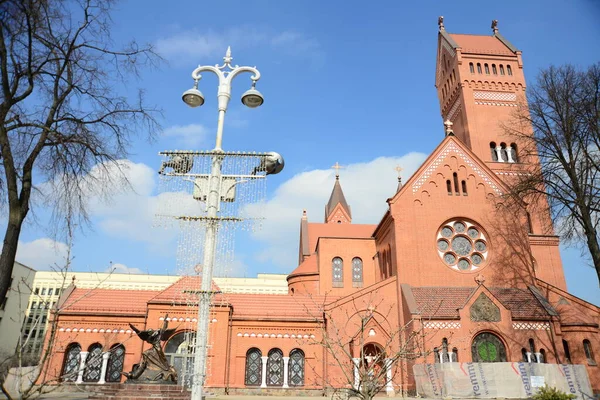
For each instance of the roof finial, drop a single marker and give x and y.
(227, 59)
(304, 216)
(448, 128)
(495, 26)
(441, 23)
(399, 170)
(337, 168)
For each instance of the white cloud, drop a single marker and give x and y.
(122, 269)
(191, 136)
(366, 186)
(196, 45)
(42, 254)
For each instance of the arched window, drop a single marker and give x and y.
(445, 357)
(253, 367)
(494, 70)
(357, 272)
(487, 69)
(524, 355)
(455, 352)
(529, 224)
(567, 359)
(179, 351)
(436, 355)
(115, 363)
(337, 269)
(531, 346)
(478, 68)
(493, 151)
(456, 190)
(471, 68)
(93, 363)
(542, 356)
(508, 70)
(503, 155)
(464, 188)
(513, 152)
(488, 347)
(589, 354)
(501, 69)
(296, 368)
(71, 363)
(449, 187)
(275, 368)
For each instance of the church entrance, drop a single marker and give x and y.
(488, 347)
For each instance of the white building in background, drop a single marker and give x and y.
(48, 285)
(13, 308)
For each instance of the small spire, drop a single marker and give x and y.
(448, 128)
(495, 26)
(441, 23)
(304, 216)
(227, 59)
(399, 170)
(337, 168)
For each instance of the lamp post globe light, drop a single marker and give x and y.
(273, 164)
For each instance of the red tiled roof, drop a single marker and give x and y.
(354, 231)
(308, 266)
(184, 291)
(108, 301)
(480, 44)
(444, 302)
(275, 306)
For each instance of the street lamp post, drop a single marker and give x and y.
(194, 98)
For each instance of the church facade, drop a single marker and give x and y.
(449, 274)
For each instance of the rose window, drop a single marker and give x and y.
(462, 245)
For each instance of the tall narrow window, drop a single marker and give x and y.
(589, 354)
(436, 355)
(455, 352)
(508, 70)
(542, 356)
(357, 272)
(71, 363)
(478, 68)
(524, 357)
(456, 190)
(532, 346)
(275, 368)
(115, 363)
(567, 359)
(503, 152)
(493, 151)
(464, 187)
(471, 68)
(449, 187)
(529, 224)
(93, 363)
(513, 152)
(494, 70)
(487, 69)
(337, 269)
(253, 367)
(501, 69)
(445, 357)
(296, 368)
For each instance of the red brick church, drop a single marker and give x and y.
(446, 261)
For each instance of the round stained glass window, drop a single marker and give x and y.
(459, 227)
(449, 258)
(462, 245)
(464, 264)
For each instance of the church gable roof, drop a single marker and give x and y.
(276, 306)
(337, 198)
(481, 44)
(107, 301)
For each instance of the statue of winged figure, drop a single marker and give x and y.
(153, 367)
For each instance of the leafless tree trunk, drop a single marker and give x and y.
(63, 107)
(564, 112)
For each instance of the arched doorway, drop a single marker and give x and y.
(179, 351)
(488, 347)
(373, 366)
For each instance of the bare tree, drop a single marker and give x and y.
(564, 111)
(364, 348)
(63, 106)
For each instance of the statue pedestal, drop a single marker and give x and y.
(155, 391)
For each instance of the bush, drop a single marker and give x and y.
(551, 393)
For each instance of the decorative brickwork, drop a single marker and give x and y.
(496, 96)
(532, 326)
(441, 325)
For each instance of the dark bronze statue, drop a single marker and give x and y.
(153, 367)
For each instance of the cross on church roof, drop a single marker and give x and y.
(337, 168)
(399, 170)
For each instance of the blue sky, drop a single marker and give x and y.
(346, 82)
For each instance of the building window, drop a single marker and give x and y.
(43, 291)
(494, 70)
(50, 292)
(253, 367)
(589, 354)
(501, 69)
(455, 352)
(487, 69)
(462, 245)
(503, 153)
(508, 70)
(37, 291)
(513, 153)
(542, 358)
(296, 373)
(456, 189)
(275, 368)
(524, 356)
(464, 188)
(478, 68)
(93, 363)
(493, 151)
(71, 363)
(357, 272)
(115, 363)
(567, 352)
(436, 355)
(445, 357)
(337, 268)
(449, 187)
(488, 347)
